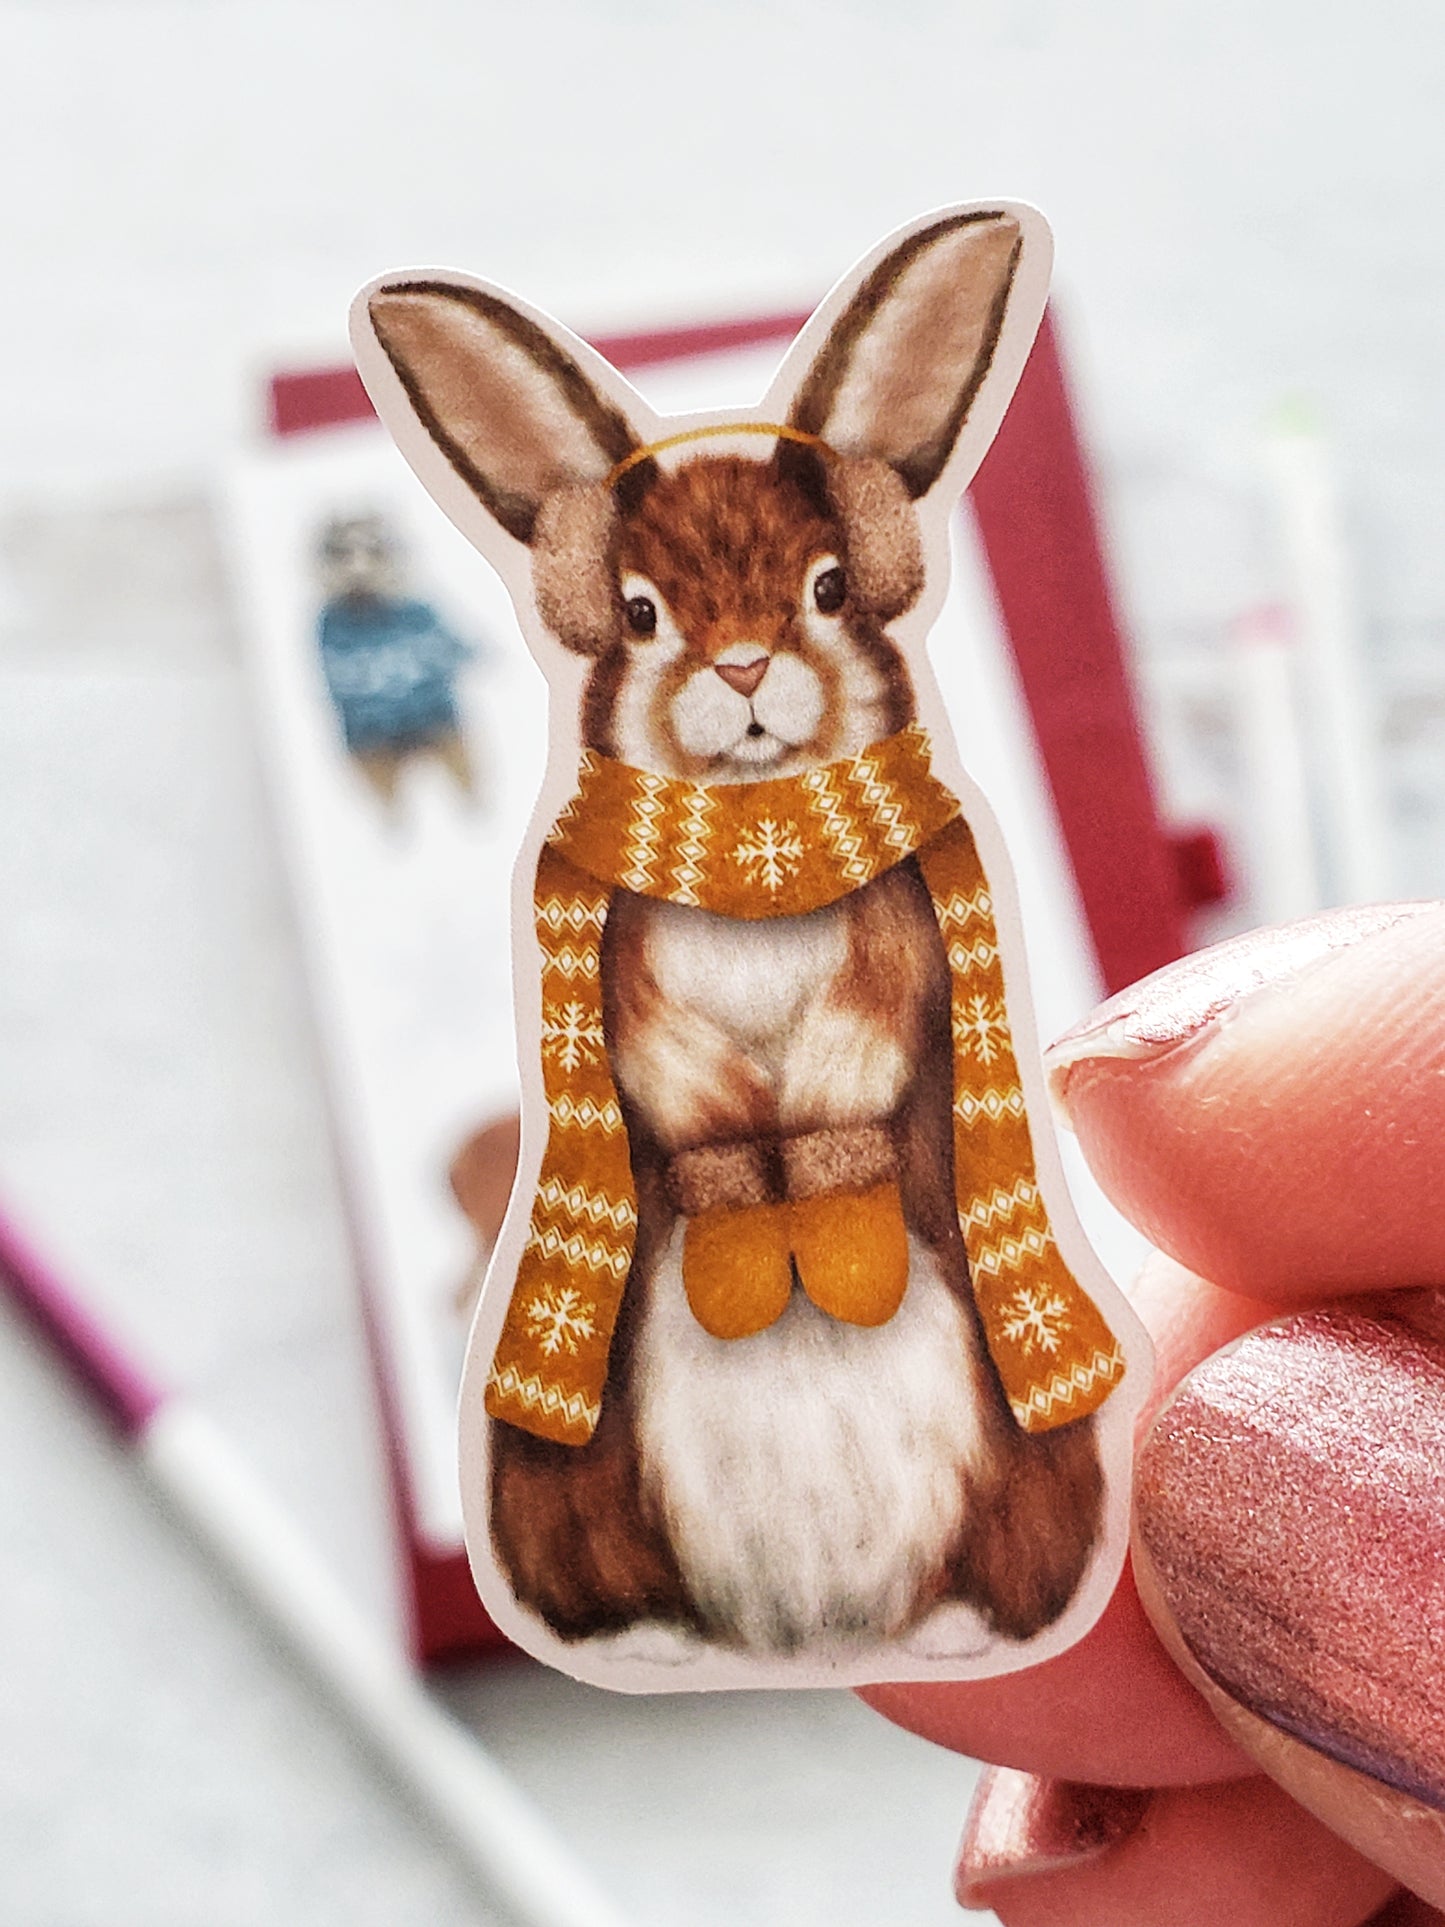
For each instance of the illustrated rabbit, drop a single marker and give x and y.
(779, 1347)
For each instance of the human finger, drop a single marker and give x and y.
(1270, 1111)
(1289, 1525)
(1155, 1730)
(1047, 1854)
(1047, 1720)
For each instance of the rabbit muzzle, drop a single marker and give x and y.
(749, 707)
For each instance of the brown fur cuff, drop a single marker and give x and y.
(721, 1177)
(818, 1163)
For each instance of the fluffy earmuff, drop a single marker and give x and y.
(880, 526)
(572, 574)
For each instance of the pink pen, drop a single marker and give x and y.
(496, 1831)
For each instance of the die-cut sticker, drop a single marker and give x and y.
(792, 1365)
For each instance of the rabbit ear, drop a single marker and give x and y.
(933, 339)
(504, 402)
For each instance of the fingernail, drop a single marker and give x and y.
(1178, 1002)
(1020, 1824)
(1291, 1501)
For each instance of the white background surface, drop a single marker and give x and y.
(1244, 197)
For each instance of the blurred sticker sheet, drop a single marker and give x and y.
(402, 723)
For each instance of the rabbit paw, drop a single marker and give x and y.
(953, 1631)
(648, 1643)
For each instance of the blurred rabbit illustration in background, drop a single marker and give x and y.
(480, 1178)
(390, 660)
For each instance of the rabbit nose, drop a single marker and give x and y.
(744, 677)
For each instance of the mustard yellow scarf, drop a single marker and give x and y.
(774, 849)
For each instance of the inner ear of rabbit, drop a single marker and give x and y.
(880, 528)
(574, 577)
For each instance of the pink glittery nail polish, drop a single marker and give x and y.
(1291, 1501)
(1176, 1003)
(1022, 1825)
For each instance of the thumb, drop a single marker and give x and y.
(1290, 1510)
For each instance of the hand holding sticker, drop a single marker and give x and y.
(792, 1365)
(1271, 1112)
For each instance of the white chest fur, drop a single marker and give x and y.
(751, 979)
(814, 1476)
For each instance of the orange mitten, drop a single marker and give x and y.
(737, 1270)
(852, 1253)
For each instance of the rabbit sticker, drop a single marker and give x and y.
(792, 1365)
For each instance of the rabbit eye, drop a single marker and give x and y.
(642, 615)
(830, 591)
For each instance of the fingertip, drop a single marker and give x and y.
(1112, 1710)
(1041, 1854)
(1269, 1111)
(1021, 1825)
(1177, 1004)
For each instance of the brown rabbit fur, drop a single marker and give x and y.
(729, 544)
(815, 1481)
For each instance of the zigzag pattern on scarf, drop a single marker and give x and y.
(779, 848)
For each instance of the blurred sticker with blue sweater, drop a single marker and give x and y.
(390, 658)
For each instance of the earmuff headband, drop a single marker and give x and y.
(781, 431)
